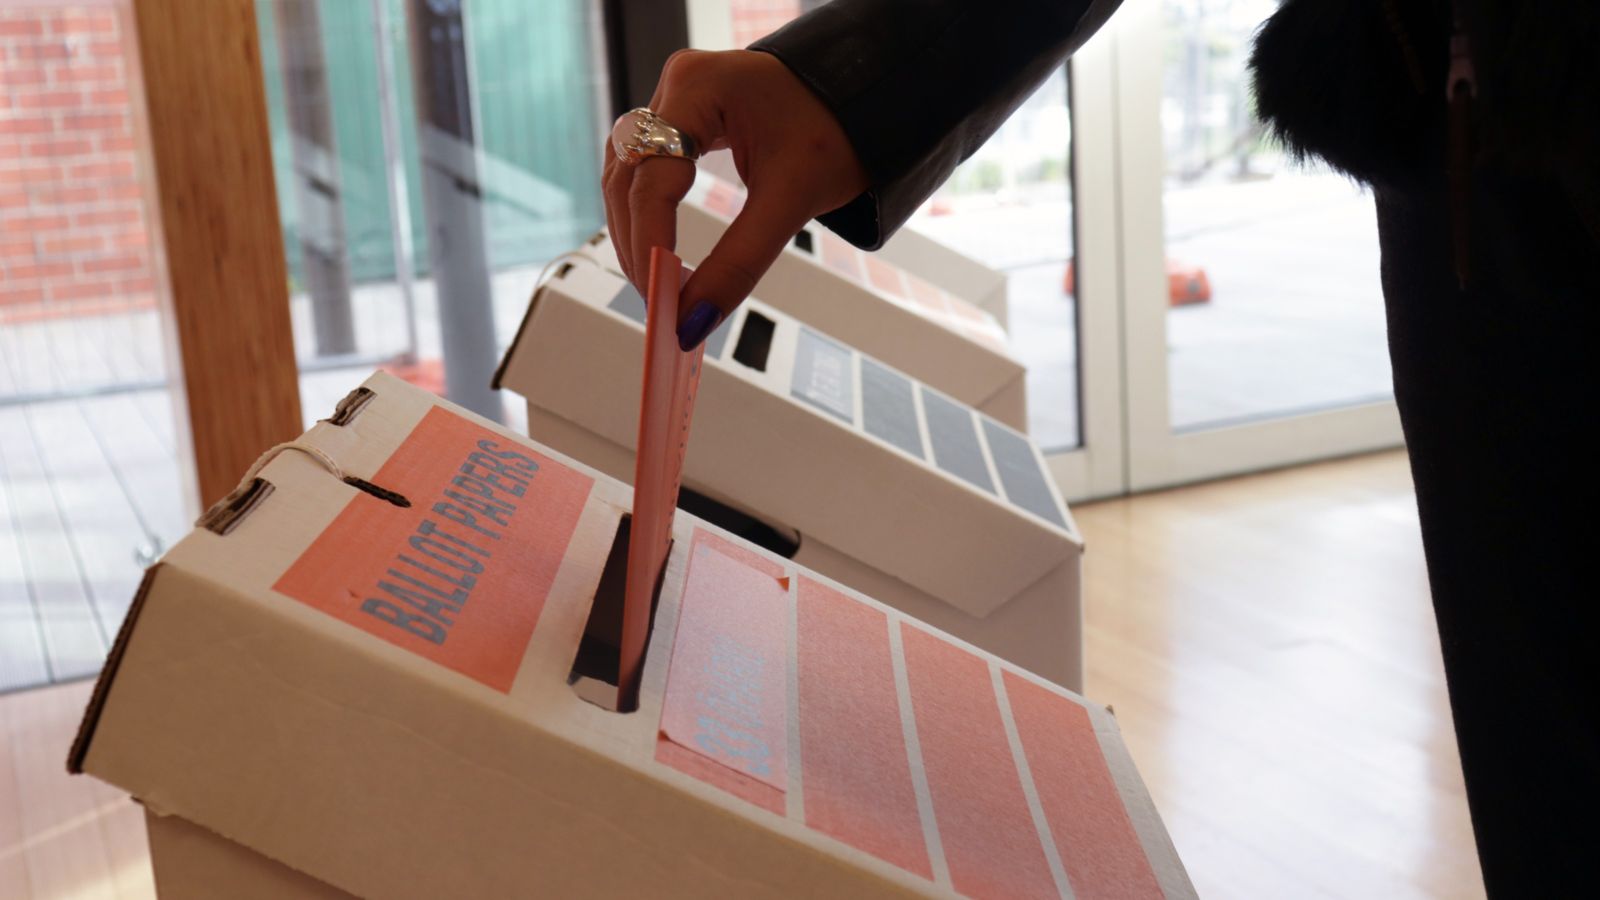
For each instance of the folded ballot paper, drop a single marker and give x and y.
(377, 669)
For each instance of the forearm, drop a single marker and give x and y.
(918, 85)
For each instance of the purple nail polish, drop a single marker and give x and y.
(701, 320)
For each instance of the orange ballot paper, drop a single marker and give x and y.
(666, 406)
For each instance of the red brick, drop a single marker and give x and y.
(95, 121)
(141, 285)
(73, 244)
(136, 239)
(30, 27)
(103, 170)
(127, 190)
(111, 264)
(56, 147)
(14, 199)
(28, 175)
(80, 290)
(42, 50)
(17, 248)
(66, 195)
(86, 21)
(96, 71)
(42, 270)
(14, 295)
(121, 143)
(19, 76)
(52, 99)
(33, 224)
(109, 97)
(27, 125)
(116, 215)
(104, 50)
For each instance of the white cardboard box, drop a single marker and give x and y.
(899, 315)
(889, 486)
(359, 671)
(962, 276)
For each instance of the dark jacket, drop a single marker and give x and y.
(919, 85)
(1494, 376)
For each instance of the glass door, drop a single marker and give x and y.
(1254, 316)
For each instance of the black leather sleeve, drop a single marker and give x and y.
(919, 85)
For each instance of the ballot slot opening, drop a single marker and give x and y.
(772, 538)
(755, 341)
(802, 240)
(597, 666)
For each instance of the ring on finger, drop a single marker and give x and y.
(640, 134)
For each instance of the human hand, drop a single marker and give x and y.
(790, 151)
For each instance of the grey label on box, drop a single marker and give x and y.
(955, 440)
(1019, 472)
(823, 375)
(629, 303)
(888, 409)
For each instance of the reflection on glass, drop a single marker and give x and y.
(522, 78)
(1010, 208)
(1273, 271)
(90, 487)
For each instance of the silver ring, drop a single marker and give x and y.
(640, 134)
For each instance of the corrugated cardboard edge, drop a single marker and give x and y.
(108, 673)
(1151, 829)
(522, 327)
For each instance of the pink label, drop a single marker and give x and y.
(726, 696)
(854, 770)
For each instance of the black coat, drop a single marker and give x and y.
(1494, 377)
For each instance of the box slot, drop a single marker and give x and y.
(598, 663)
(772, 538)
(350, 406)
(802, 240)
(228, 512)
(755, 341)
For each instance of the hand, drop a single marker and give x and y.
(790, 151)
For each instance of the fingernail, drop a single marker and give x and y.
(701, 320)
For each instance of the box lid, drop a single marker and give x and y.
(804, 430)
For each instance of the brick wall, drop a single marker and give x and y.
(72, 233)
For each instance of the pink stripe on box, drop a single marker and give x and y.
(840, 256)
(856, 780)
(727, 684)
(1090, 824)
(926, 294)
(884, 277)
(990, 842)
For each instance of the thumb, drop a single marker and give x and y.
(730, 272)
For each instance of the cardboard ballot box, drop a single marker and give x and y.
(829, 456)
(369, 666)
(885, 311)
(963, 277)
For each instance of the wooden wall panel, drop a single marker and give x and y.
(214, 219)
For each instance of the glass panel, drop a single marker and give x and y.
(482, 124)
(1010, 208)
(90, 487)
(1272, 269)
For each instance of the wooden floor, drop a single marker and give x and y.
(1266, 642)
(1270, 651)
